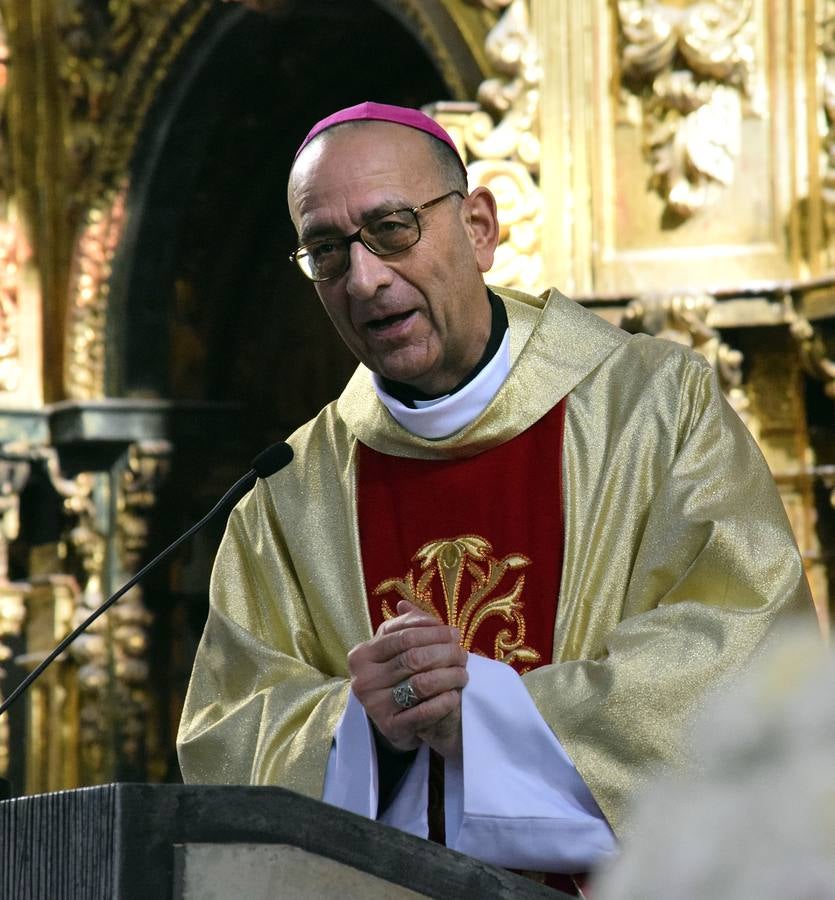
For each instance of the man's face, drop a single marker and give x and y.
(420, 316)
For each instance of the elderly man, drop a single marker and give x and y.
(513, 554)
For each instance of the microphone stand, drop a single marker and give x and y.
(242, 485)
(265, 464)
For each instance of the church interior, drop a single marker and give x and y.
(668, 164)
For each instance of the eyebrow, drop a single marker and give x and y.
(317, 232)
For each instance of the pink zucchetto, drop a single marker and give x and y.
(381, 112)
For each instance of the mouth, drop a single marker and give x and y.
(389, 323)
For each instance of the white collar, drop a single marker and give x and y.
(443, 416)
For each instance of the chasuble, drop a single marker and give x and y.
(677, 561)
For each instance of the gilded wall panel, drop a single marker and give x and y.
(694, 145)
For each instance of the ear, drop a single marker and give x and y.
(482, 222)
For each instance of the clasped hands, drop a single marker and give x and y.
(412, 646)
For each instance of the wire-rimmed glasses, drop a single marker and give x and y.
(384, 235)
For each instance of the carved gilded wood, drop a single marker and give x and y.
(13, 596)
(112, 67)
(693, 69)
(498, 138)
(676, 134)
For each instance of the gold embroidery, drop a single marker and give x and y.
(449, 560)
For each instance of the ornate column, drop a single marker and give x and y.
(140, 481)
(13, 595)
(109, 541)
(52, 752)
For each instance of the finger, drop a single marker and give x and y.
(403, 727)
(429, 684)
(449, 723)
(384, 647)
(445, 737)
(405, 606)
(370, 679)
(409, 619)
(408, 722)
(424, 658)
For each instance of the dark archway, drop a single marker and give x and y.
(205, 305)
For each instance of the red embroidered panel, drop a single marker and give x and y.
(478, 542)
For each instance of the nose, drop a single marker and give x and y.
(367, 273)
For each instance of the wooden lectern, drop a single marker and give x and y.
(184, 842)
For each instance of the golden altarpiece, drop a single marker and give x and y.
(671, 164)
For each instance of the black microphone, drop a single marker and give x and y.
(267, 463)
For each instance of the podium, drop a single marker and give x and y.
(184, 842)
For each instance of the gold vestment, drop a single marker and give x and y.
(678, 560)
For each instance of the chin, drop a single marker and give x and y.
(413, 379)
(414, 375)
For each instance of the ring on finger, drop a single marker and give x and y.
(404, 695)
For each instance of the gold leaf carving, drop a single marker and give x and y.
(113, 654)
(146, 470)
(499, 140)
(89, 288)
(692, 68)
(115, 55)
(814, 355)
(14, 252)
(13, 475)
(827, 86)
(12, 615)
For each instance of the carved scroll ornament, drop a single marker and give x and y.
(84, 373)
(14, 252)
(814, 354)
(113, 58)
(118, 641)
(12, 615)
(693, 69)
(499, 140)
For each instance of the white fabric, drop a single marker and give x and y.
(439, 418)
(351, 778)
(351, 774)
(515, 799)
(409, 810)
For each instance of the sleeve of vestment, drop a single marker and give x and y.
(680, 559)
(513, 799)
(264, 698)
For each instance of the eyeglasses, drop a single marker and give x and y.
(384, 235)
